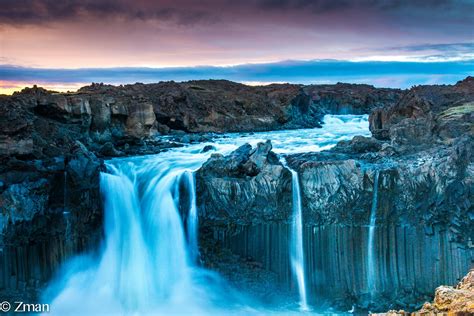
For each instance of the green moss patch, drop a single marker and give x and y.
(457, 111)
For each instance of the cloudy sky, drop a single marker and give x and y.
(65, 44)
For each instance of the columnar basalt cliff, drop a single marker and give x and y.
(424, 212)
(52, 147)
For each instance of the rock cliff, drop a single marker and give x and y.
(422, 171)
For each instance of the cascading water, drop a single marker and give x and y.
(296, 244)
(192, 217)
(371, 264)
(147, 265)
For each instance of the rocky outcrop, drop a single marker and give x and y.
(448, 300)
(50, 210)
(314, 101)
(422, 171)
(245, 202)
(424, 222)
(109, 113)
(248, 186)
(413, 118)
(453, 300)
(39, 124)
(342, 179)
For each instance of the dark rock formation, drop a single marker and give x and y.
(248, 186)
(413, 118)
(424, 218)
(423, 154)
(314, 101)
(50, 210)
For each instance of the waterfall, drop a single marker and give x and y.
(192, 217)
(371, 264)
(147, 263)
(296, 240)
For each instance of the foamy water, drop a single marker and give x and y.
(147, 264)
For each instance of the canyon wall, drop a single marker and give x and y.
(424, 227)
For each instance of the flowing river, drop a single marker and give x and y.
(148, 263)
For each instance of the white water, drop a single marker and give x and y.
(192, 217)
(371, 240)
(296, 246)
(147, 265)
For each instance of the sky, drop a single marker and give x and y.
(66, 44)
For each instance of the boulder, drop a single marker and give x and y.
(249, 185)
(141, 119)
(359, 144)
(207, 148)
(458, 300)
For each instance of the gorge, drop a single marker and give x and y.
(372, 208)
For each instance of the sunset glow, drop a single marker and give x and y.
(162, 34)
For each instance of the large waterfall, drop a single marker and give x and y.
(147, 264)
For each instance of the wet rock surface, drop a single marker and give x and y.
(248, 186)
(50, 210)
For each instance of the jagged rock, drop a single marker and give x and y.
(163, 129)
(250, 185)
(412, 131)
(314, 101)
(455, 122)
(417, 110)
(141, 119)
(49, 209)
(458, 300)
(331, 188)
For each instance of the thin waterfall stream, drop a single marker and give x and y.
(148, 261)
(371, 264)
(192, 220)
(297, 259)
(296, 247)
